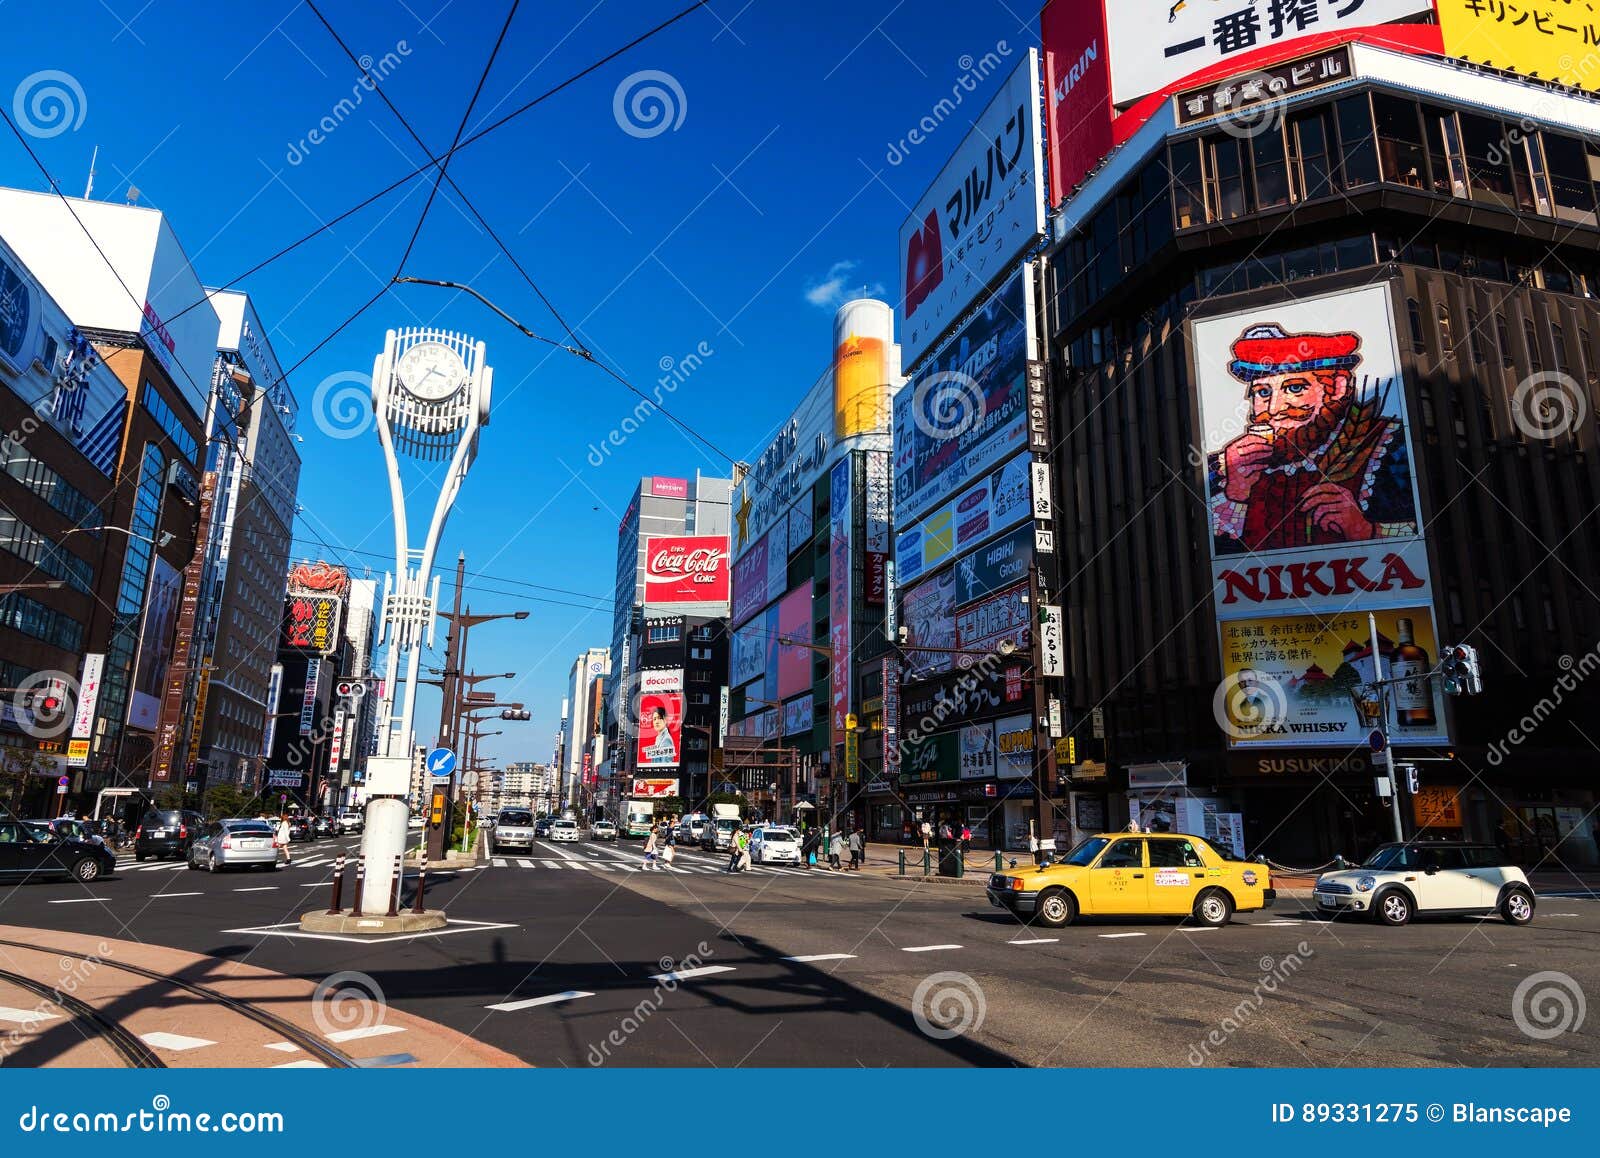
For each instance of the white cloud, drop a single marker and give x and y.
(836, 287)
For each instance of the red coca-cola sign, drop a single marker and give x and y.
(686, 569)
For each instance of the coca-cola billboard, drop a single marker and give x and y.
(686, 569)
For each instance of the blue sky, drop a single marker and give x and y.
(771, 198)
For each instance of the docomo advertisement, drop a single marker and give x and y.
(660, 718)
(1308, 477)
(1156, 43)
(983, 211)
(686, 569)
(1287, 680)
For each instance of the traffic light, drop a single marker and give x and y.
(1460, 670)
(514, 714)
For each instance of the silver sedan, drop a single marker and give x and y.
(235, 844)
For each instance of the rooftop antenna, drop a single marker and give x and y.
(89, 188)
(133, 194)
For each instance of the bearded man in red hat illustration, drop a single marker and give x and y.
(1320, 461)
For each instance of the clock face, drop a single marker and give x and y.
(431, 371)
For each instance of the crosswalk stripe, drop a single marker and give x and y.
(521, 863)
(499, 862)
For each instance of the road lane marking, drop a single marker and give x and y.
(925, 948)
(153, 896)
(1035, 941)
(259, 889)
(363, 1032)
(1114, 936)
(24, 1016)
(1202, 928)
(80, 900)
(283, 1046)
(810, 957)
(686, 974)
(548, 999)
(1272, 924)
(175, 1042)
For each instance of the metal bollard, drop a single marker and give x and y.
(999, 862)
(961, 866)
(394, 893)
(902, 862)
(338, 884)
(361, 884)
(422, 883)
(925, 871)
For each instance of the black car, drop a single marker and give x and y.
(299, 828)
(27, 854)
(166, 832)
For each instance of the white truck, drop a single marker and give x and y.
(638, 817)
(718, 835)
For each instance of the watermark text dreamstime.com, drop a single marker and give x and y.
(974, 71)
(1573, 673)
(373, 71)
(75, 972)
(674, 373)
(667, 982)
(1274, 974)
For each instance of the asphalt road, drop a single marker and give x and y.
(581, 959)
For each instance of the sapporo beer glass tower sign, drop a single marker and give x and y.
(430, 399)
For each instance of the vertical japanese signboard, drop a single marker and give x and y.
(839, 601)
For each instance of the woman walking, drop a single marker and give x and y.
(835, 850)
(283, 839)
(650, 850)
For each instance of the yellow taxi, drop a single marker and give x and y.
(1136, 875)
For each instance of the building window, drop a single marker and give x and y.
(1271, 170)
(1188, 196)
(158, 409)
(1474, 338)
(31, 617)
(49, 557)
(1531, 337)
(1360, 163)
(48, 485)
(1419, 342)
(1400, 140)
(1488, 167)
(1224, 179)
(1310, 157)
(671, 633)
(1507, 361)
(1445, 160)
(1447, 341)
(1572, 170)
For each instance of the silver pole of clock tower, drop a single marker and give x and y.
(430, 398)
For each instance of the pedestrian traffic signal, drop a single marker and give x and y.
(1460, 670)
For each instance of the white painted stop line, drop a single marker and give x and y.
(547, 999)
(686, 974)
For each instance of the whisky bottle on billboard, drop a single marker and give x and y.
(1413, 694)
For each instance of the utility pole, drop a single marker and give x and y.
(1383, 726)
(450, 690)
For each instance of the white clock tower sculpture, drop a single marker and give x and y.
(430, 398)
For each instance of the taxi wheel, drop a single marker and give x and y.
(1517, 908)
(1393, 908)
(1055, 909)
(1213, 908)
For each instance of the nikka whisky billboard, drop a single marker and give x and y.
(1313, 509)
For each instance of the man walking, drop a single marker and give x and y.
(836, 850)
(858, 850)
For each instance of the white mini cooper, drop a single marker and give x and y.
(1428, 879)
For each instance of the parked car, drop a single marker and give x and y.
(28, 852)
(1148, 875)
(513, 828)
(226, 844)
(565, 830)
(353, 819)
(1429, 879)
(166, 832)
(774, 844)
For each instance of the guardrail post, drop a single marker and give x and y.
(394, 894)
(422, 882)
(361, 883)
(338, 885)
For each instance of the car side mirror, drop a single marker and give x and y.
(1431, 870)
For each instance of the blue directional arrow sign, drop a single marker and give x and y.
(441, 762)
